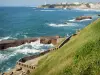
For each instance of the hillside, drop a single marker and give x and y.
(80, 56)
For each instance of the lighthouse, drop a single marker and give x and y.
(45, 2)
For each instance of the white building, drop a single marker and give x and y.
(76, 3)
(64, 3)
(95, 6)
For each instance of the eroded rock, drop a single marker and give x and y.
(13, 43)
(83, 17)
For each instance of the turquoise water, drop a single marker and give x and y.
(25, 22)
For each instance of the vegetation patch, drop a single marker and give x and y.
(79, 56)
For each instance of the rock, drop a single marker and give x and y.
(11, 73)
(13, 43)
(28, 72)
(24, 59)
(98, 14)
(3, 74)
(83, 17)
(19, 69)
(65, 22)
(49, 40)
(45, 41)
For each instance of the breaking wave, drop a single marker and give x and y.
(62, 25)
(87, 10)
(48, 10)
(73, 20)
(6, 38)
(15, 53)
(85, 20)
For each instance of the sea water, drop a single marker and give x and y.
(26, 22)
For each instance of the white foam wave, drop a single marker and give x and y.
(25, 36)
(48, 10)
(34, 8)
(15, 53)
(62, 25)
(97, 10)
(32, 47)
(6, 38)
(3, 57)
(73, 20)
(85, 20)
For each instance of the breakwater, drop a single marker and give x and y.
(13, 43)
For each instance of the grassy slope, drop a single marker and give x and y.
(80, 56)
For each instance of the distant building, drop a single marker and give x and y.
(76, 3)
(45, 3)
(64, 3)
(94, 6)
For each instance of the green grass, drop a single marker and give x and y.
(80, 56)
(60, 42)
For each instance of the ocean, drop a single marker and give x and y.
(27, 22)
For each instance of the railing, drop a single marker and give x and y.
(25, 65)
(65, 41)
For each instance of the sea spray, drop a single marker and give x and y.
(10, 56)
(62, 25)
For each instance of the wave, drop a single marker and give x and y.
(34, 8)
(85, 20)
(73, 20)
(62, 25)
(6, 38)
(48, 10)
(32, 47)
(97, 10)
(15, 53)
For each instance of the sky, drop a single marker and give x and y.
(34, 3)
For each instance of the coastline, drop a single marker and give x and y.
(43, 40)
(48, 41)
(76, 5)
(25, 67)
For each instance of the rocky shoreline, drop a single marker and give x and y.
(13, 43)
(4, 44)
(27, 64)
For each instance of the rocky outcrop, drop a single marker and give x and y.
(23, 60)
(13, 43)
(98, 14)
(83, 17)
(49, 40)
